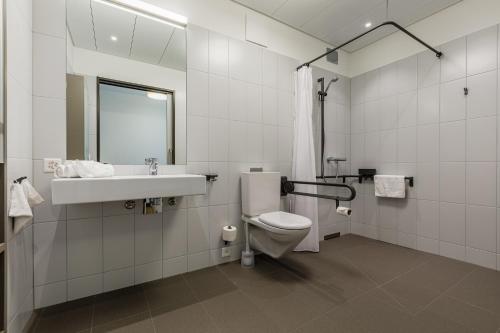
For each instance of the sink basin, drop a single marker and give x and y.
(85, 190)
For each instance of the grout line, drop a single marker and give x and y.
(445, 291)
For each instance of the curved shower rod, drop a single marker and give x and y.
(394, 24)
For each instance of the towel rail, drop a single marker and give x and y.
(410, 180)
(20, 180)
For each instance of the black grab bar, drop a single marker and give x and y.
(288, 187)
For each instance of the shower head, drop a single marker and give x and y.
(335, 79)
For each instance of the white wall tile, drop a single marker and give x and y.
(174, 233)
(113, 208)
(452, 223)
(148, 238)
(372, 111)
(198, 230)
(19, 138)
(428, 219)
(407, 74)
(197, 85)
(482, 51)
(218, 53)
(269, 106)
(388, 113)
(285, 108)
(427, 147)
(50, 294)
(428, 105)
(428, 245)
(45, 211)
(49, 252)
(270, 143)
(84, 286)
(148, 272)
(218, 139)
(237, 100)
(407, 144)
(452, 141)
(452, 250)
(49, 17)
(201, 169)
(197, 139)
(452, 182)
(254, 103)
(254, 142)
(388, 146)
(482, 98)
(429, 68)
(407, 216)
(407, 109)
(198, 261)
(453, 100)
(84, 247)
(118, 279)
(218, 96)
(372, 85)
(427, 181)
(388, 214)
(218, 190)
(286, 69)
(285, 144)
(389, 80)
(269, 69)
(118, 242)
(482, 228)
(481, 258)
(174, 266)
(83, 211)
(49, 66)
(237, 141)
(197, 48)
(453, 61)
(482, 139)
(481, 183)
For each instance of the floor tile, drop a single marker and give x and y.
(140, 323)
(189, 319)
(480, 288)
(450, 315)
(119, 304)
(234, 312)
(208, 283)
(168, 294)
(68, 318)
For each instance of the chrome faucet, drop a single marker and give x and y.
(153, 165)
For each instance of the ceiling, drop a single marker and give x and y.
(337, 21)
(92, 24)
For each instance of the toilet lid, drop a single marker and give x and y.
(285, 220)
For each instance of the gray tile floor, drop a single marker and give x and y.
(353, 285)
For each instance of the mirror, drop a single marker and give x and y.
(126, 86)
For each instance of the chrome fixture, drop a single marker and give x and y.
(336, 160)
(322, 93)
(153, 165)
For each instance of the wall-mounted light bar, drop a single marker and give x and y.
(147, 10)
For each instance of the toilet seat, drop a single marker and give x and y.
(280, 222)
(284, 220)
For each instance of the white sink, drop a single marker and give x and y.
(84, 190)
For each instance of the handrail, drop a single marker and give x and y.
(287, 187)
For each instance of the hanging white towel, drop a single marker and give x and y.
(303, 161)
(34, 198)
(19, 209)
(389, 186)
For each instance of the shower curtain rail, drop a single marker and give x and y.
(394, 24)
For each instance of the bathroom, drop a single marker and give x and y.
(250, 166)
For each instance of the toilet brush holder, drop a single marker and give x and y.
(247, 259)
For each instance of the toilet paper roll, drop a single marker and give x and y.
(229, 233)
(345, 211)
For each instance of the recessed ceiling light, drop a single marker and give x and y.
(368, 24)
(113, 38)
(156, 95)
(149, 11)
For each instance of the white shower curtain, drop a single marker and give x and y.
(303, 162)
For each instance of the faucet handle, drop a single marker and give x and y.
(150, 160)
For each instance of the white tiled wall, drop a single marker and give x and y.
(446, 140)
(240, 115)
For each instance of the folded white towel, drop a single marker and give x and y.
(19, 209)
(84, 169)
(389, 186)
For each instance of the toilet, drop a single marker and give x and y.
(268, 229)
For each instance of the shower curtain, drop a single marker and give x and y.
(303, 162)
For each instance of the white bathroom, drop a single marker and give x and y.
(250, 166)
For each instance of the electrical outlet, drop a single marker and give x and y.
(225, 252)
(50, 164)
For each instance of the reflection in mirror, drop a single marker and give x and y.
(126, 86)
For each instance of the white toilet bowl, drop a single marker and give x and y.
(276, 233)
(269, 230)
